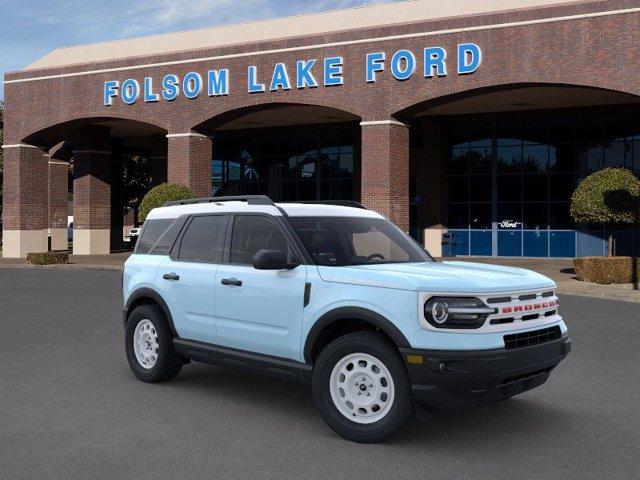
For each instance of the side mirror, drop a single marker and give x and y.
(272, 260)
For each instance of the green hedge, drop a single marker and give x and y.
(607, 270)
(158, 196)
(610, 195)
(48, 258)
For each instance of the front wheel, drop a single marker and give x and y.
(149, 345)
(361, 387)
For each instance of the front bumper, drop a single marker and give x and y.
(452, 379)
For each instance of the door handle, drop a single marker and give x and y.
(171, 276)
(231, 281)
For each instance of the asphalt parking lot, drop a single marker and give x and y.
(70, 408)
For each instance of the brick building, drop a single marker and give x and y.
(474, 117)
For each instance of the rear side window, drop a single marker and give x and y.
(204, 240)
(252, 233)
(152, 231)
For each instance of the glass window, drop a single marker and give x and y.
(589, 157)
(480, 216)
(510, 216)
(562, 158)
(150, 234)
(458, 215)
(480, 188)
(480, 160)
(561, 187)
(509, 188)
(341, 241)
(535, 188)
(510, 159)
(204, 239)
(458, 189)
(535, 216)
(252, 233)
(535, 158)
(559, 217)
(618, 154)
(165, 243)
(459, 161)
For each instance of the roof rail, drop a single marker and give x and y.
(250, 199)
(339, 203)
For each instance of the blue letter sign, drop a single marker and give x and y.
(402, 66)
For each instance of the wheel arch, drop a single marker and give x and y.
(146, 296)
(337, 320)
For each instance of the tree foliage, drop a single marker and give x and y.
(157, 196)
(136, 180)
(610, 195)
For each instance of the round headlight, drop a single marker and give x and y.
(440, 311)
(456, 312)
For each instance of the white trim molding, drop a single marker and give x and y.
(58, 162)
(189, 134)
(21, 145)
(383, 122)
(330, 45)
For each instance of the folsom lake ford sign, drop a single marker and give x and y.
(310, 73)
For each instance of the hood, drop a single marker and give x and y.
(439, 277)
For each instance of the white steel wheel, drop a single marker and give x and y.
(362, 388)
(145, 344)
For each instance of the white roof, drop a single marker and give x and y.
(292, 209)
(287, 27)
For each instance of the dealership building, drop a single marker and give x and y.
(473, 118)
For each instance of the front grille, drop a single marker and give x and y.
(535, 337)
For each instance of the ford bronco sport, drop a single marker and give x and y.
(338, 296)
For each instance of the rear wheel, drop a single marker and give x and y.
(149, 345)
(361, 387)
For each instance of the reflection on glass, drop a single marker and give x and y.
(310, 164)
(510, 159)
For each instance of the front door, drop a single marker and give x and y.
(188, 278)
(259, 310)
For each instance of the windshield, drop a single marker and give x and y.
(342, 241)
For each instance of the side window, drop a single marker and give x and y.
(151, 232)
(252, 233)
(204, 240)
(167, 239)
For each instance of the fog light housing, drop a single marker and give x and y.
(456, 312)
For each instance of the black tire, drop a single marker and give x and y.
(374, 344)
(168, 364)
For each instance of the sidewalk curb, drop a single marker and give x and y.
(621, 297)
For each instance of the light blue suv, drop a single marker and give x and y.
(338, 296)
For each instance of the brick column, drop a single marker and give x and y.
(91, 191)
(58, 190)
(385, 170)
(24, 200)
(158, 160)
(189, 162)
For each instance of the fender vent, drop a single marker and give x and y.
(536, 337)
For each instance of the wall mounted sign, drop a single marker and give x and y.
(309, 73)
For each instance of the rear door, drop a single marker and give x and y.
(259, 310)
(188, 277)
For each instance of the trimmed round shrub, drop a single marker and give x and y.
(607, 270)
(158, 196)
(610, 195)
